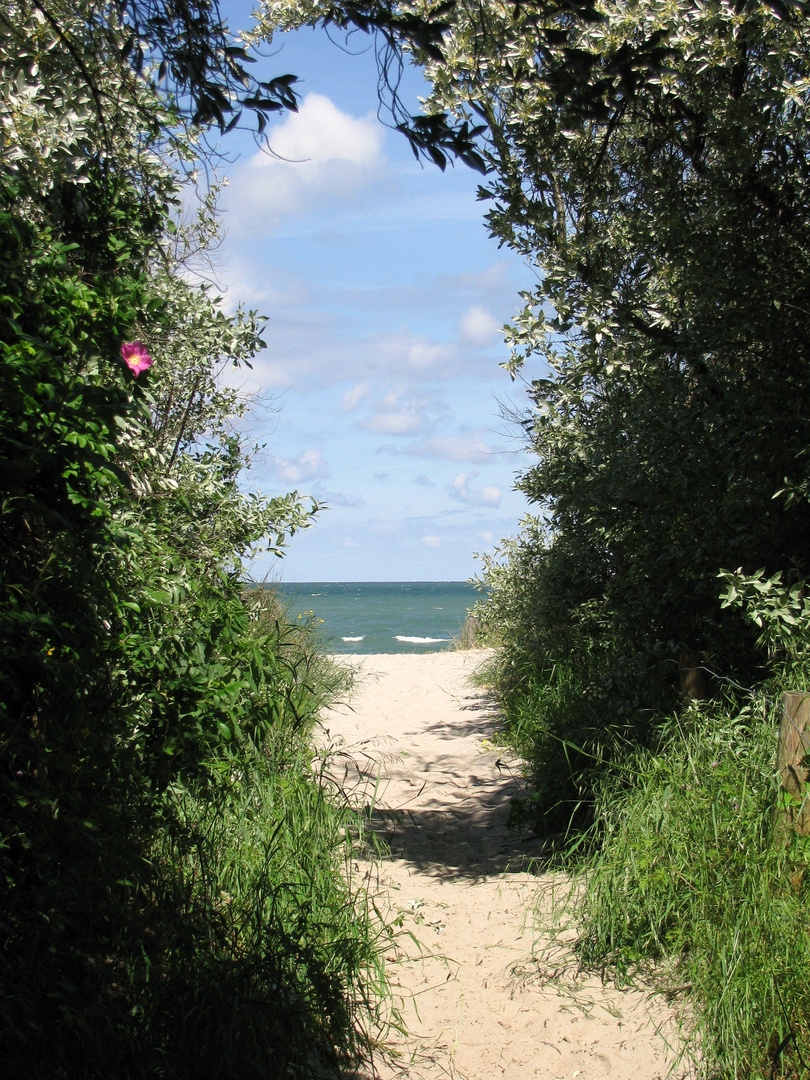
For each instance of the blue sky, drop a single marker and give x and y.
(384, 296)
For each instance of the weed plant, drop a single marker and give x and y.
(685, 883)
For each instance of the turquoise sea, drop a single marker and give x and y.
(383, 616)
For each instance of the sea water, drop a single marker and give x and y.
(382, 616)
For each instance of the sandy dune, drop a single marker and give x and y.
(478, 994)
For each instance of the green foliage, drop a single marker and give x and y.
(176, 889)
(574, 697)
(687, 885)
(557, 720)
(781, 611)
(208, 922)
(648, 159)
(278, 950)
(396, 30)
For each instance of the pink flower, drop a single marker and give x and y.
(136, 357)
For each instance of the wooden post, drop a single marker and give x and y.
(693, 676)
(793, 765)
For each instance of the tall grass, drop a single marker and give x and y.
(266, 933)
(685, 883)
(209, 924)
(555, 713)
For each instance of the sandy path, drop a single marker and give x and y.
(477, 1000)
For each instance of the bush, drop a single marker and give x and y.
(176, 900)
(575, 696)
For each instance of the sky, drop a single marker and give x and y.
(383, 396)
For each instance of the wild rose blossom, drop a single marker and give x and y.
(136, 357)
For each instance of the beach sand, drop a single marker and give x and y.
(479, 993)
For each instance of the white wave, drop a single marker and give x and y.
(421, 640)
(353, 638)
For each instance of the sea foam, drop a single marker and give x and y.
(420, 640)
(353, 638)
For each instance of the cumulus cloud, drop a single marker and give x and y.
(417, 356)
(320, 156)
(424, 481)
(463, 492)
(478, 327)
(431, 541)
(402, 422)
(422, 355)
(451, 448)
(320, 132)
(309, 465)
(355, 397)
(494, 279)
(396, 415)
(310, 346)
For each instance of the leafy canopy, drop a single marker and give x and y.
(650, 160)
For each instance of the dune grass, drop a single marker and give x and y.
(680, 879)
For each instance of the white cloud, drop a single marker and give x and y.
(379, 527)
(493, 279)
(320, 132)
(451, 448)
(424, 481)
(403, 422)
(396, 415)
(309, 465)
(461, 490)
(431, 541)
(320, 157)
(417, 355)
(424, 355)
(478, 327)
(354, 397)
(309, 346)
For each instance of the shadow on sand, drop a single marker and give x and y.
(451, 821)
